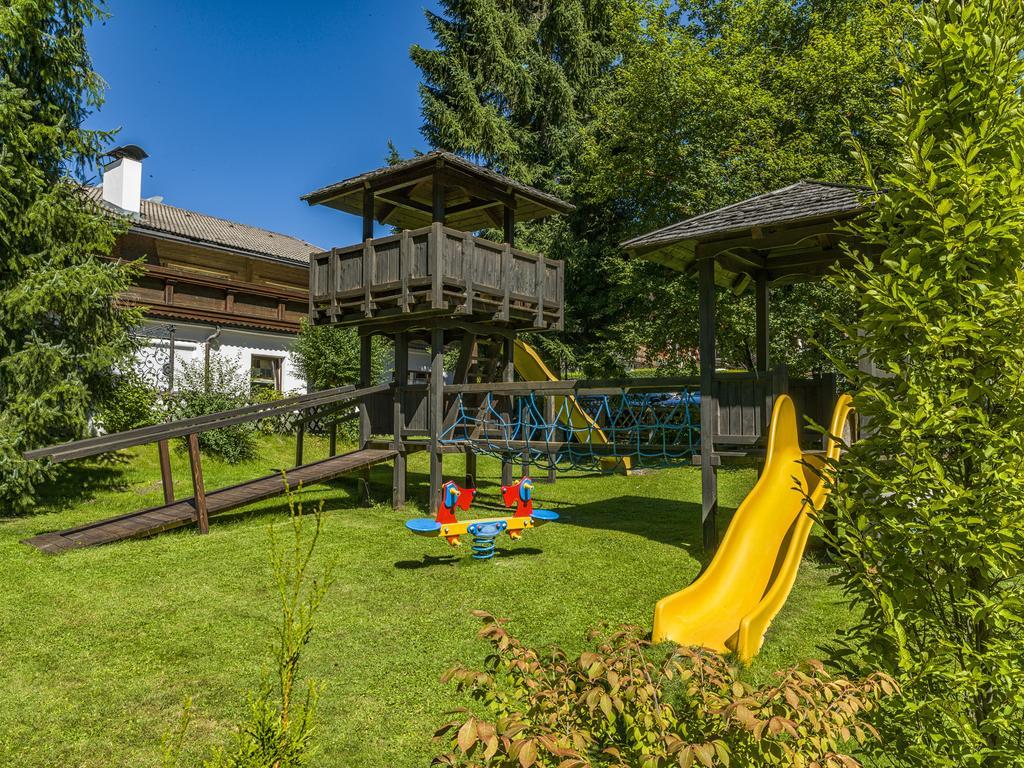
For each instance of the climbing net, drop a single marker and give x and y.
(590, 433)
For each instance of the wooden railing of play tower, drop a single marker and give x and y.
(436, 269)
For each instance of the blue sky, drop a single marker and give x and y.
(243, 107)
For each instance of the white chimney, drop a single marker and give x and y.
(122, 177)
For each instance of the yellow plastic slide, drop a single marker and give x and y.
(530, 367)
(731, 604)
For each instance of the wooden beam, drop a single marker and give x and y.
(474, 204)
(478, 187)
(761, 343)
(398, 414)
(365, 374)
(385, 210)
(508, 374)
(438, 191)
(165, 471)
(436, 411)
(762, 338)
(708, 406)
(367, 213)
(509, 225)
(300, 435)
(402, 199)
(198, 489)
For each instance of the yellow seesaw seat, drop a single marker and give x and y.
(729, 607)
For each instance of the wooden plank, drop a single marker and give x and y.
(199, 491)
(157, 519)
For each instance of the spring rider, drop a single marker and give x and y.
(484, 531)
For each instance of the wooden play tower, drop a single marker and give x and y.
(435, 284)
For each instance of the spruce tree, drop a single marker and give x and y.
(929, 511)
(511, 80)
(62, 333)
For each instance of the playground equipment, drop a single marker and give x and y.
(531, 367)
(485, 531)
(642, 427)
(730, 606)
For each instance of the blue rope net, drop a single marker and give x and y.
(590, 433)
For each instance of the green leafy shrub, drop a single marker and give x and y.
(132, 403)
(617, 706)
(220, 387)
(929, 511)
(327, 356)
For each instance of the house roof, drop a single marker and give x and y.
(469, 190)
(159, 218)
(791, 221)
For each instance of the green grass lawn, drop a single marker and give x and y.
(100, 647)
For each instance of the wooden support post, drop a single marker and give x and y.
(437, 183)
(763, 335)
(708, 406)
(549, 419)
(509, 225)
(333, 436)
(508, 373)
(165, 471)
(300, 435)
(365, 374)
(436, 411)
(368, 214)
(763, 365)
(527, 435)
(198, 489)
(401, 380)
(471, 468)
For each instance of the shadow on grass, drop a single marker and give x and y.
(433, 561)
(662, 520)
(81, 481)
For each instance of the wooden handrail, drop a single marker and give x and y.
(94, 446)
(576, 386)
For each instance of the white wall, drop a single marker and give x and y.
(235, 344)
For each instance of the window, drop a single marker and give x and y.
(266, 372)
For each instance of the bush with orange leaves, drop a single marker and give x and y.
(621, 706)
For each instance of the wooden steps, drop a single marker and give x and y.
(148, 522)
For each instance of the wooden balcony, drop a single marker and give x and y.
(179, 295)
(436, 271)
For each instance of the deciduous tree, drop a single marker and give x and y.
(929, 513)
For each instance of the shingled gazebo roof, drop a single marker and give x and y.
(403, 194)
(788, 231)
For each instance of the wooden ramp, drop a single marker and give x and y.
(148, 522)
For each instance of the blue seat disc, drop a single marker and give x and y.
(422, 525)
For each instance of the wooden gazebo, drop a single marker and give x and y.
(786, 235)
